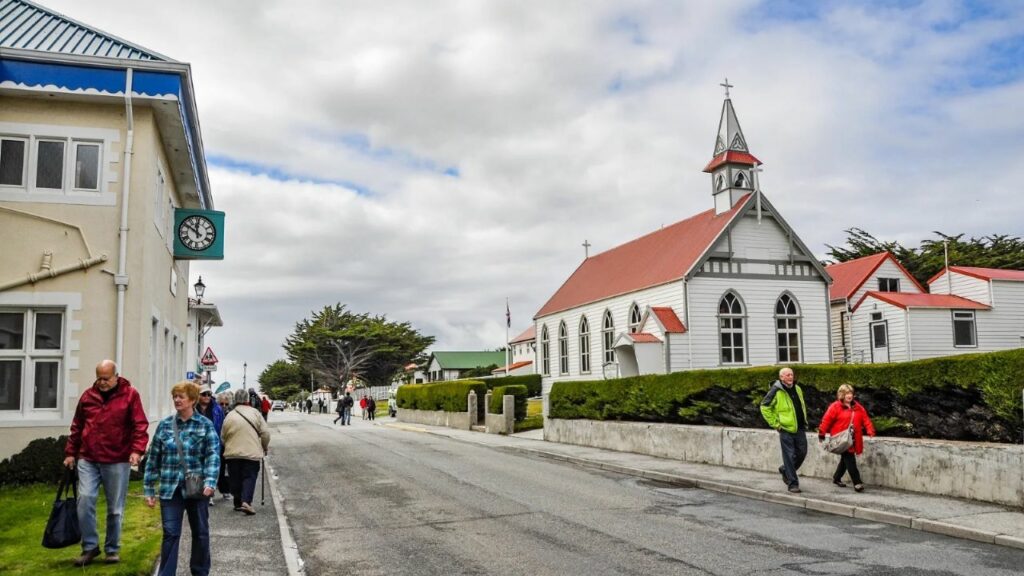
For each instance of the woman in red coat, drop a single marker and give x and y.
(837, 419)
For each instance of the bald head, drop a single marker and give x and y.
(786, 376)
(106, 375)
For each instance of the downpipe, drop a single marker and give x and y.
(121, 278)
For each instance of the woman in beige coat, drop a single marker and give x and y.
(246, 437)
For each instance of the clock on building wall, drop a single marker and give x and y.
(199, 235)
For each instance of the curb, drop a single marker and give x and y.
(289, 548)
(823, 506)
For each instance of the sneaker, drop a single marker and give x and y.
(212, 502)
(112, 559)
(839, 483)
(795, 489)
(858, 487)
(247, 508)
(86, 557)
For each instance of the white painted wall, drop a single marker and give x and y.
(860, 336)
(1003, 327)
(965, 286)
(888, 269)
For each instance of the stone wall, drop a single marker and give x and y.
(458, 420)
(973, 470)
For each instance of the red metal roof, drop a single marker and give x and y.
(984, 273)
(905, 300)
(731, 156)
(848, 277)
(528, 334)
(651, 260)
(669, 320)
(513, 366)
(644, 338)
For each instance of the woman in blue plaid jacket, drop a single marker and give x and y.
(198, 444)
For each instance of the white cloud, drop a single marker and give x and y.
(566, 121)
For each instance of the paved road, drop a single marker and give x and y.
(370, 500)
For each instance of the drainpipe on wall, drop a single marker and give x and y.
(121, 279)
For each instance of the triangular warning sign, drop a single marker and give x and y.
(208, 359)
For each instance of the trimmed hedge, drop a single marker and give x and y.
(448, 396)
(517, 390)
(975, 396)
(531, 381)
(40, 461)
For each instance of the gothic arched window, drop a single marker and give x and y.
(741, 180)
(563, 349)
(731, 320)
(787, 328)
(608, 337)
(634, 318)
(545, 351)
(584, 346)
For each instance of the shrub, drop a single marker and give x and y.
(919, 398)
(518, 391)
(531, 381)
(447, 396)
(40, 461)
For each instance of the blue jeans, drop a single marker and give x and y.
(794, 450)
(114, 478)
(198, 511)
(346, 416)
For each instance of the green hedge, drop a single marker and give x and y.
(447, 396)
(531, 381)
(517, 390)
(991, 381)
(40, 461)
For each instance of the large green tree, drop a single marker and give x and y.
(336, 344)
(283, 380)
(995, 251)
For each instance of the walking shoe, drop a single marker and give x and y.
(86, 557)
(212, 502)
(247, 508)
(858, 487)
(839, 483)
(112, 559)
(795, 489)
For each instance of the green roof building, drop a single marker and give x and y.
(451, 365)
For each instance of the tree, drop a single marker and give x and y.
(336, 344)
(282, 379)
(995, 251)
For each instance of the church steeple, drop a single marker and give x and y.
(730, 167)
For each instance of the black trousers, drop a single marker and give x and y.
(847, 463)
(243, 474)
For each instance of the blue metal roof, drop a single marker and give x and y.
(29, 26)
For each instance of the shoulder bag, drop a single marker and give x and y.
(62, 528)
(844, 440)
(249, 422)
(193, 488)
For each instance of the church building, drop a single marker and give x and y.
(733, 286)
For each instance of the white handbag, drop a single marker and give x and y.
(844, 440)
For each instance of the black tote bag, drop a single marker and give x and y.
(62, 528)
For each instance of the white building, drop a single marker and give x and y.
(523, 348)
(733, 286)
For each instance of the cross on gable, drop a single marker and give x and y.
(726, 85)
(586, 249)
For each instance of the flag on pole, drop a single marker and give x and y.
(508, 315)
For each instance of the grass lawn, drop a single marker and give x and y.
(23, 515)
(534, 416)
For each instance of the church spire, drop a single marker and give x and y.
(732, 161)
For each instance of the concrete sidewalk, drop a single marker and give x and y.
(979, 521)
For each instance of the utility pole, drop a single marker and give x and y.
(245, 365)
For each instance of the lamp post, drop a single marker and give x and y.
(200, 290)
(245, 366)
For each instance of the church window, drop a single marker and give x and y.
(741, 180)
(608, 337)
(584, 346)
(563, 349)
(545, 351)
(634, 318)
(787, 329)
(720, 182)
(731, 329)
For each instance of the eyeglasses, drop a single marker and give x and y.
(205, 394)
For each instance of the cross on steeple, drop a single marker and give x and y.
(586, 249)
(726, 85)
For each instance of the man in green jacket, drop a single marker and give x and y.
(784, 410)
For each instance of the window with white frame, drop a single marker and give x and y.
(584, 345)
(965, 333)
(50, 163)
(888, 284)
(563, 348)
(634, 318)
(31, 356)
(732, 332)
(545, 351)
(12, 161)
(787, 329)
(608, 337)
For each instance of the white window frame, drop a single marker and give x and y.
(584, 345)
(733, 330)
(73, 164)
(792, 330)
(545, 351)
(608, 337)
(635, 317)
(965, 316)
(28, 356)
(563, 349)
(26, 154)
(888, 281)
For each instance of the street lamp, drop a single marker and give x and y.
(200, 290)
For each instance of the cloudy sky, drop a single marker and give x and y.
(426, 160)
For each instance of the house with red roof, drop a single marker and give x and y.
(850, 281)
(731, 286)
(965, 310)
(523, 348)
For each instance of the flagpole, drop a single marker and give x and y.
(508, 347)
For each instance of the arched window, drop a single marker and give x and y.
(720, 182)
(741, 180)
(545, 351)
(787, 328)
(563, 349)
(608, 337)
(634, 318)
(584, 346)
(731, 329)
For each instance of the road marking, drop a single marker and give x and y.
(288, 545)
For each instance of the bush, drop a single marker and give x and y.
(447, 396)
(40, 461)
(518, 391)
(531, 381)
(970, 396)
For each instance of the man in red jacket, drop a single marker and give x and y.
(109, 434)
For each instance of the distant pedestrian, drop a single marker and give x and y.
(246, 437)
(184, 441)
(362, 406)
(347, 412)
(842, 414)
(371, 406)
(309, 405)
(264, 408)
(340, 409)
(784, 410)
(109, 433)
(214, 413)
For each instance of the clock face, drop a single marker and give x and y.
(197, 232)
